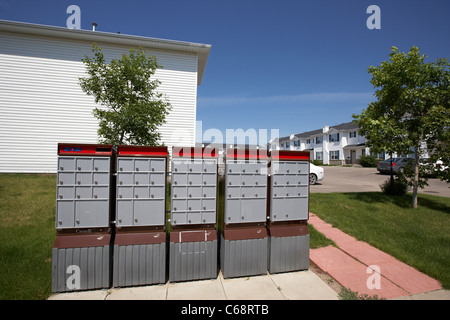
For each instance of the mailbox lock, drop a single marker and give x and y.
(174, 182)
(256, 195)
(287, 170)
(152, 196)
(287, 215)
(275, 183)
(96, 168)
(137, 169)
(174, 195)
(176, 169)
(190, 208)
(243, 183)
(136, 196)
(60, 196)
(204, 182)
(78, 196)
(95, 196)
(60, 182)
(59, 221)
(174, 209)
(189, 221)
(61, 168)
(79, 168)
(135, 220)
(204, 208)
(78, 221)
(120, 196)
(204, 195)
(229, 196)
(95, 182)
(137, 182)
(287, 182)
(153, 169)
(190, 195)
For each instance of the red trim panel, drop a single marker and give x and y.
(290, 155)
(153, 151)
(84, 149)
(137, 238)
(193, 235)
(247, 154)
(82, 240)
(195, 152)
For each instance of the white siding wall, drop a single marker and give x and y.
(42, 104)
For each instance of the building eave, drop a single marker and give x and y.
(201, 50)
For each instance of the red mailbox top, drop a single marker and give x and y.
(141, 151)
(289, 155)
(72, 149)
(247, 154)
(195, 152)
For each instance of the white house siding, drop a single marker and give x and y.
(42, 104)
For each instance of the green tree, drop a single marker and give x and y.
(412, 110)
(131, 110)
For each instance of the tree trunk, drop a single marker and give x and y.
(416, 174)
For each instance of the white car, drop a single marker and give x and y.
(315, 174)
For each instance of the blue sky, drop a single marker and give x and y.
(289, 65)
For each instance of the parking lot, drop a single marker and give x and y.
(357, 179)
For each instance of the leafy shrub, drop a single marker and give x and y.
(368, 161)
(396, 187)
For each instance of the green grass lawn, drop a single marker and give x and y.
(27, 233)
(420, 238)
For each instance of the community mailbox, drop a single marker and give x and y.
(289, 211)
(83, 186)
(244, 236)
(140, 239)
(193, 235)
(82, 250)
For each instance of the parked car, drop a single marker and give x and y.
(431, 169)
(398, 164)
(315, 174)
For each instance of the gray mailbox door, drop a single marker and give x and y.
(194, 190)
(83, 189)
(245, 191)
(289, 190)
(141, 185)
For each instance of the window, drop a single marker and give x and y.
(333, 137)
(353, 134)
(296, 143)
(288, 144)
(319, 155)
(308, 141)
(334, 155)
(319, 140)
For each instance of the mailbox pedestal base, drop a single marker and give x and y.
(288, 248)
(193, 255)
(81, 262)
(139, 258)
(243, 252)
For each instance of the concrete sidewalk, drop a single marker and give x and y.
(301, 285)
(360, 267)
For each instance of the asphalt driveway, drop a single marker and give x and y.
(357, 179)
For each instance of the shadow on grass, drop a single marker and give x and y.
(404, 201)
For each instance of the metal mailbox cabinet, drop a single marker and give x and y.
(81, 253)
(244, 239)
(289, 211)
(140, 240)
(83, 186)
(193, 235)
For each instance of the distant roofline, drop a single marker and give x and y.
(202, 50)
(346, 126)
